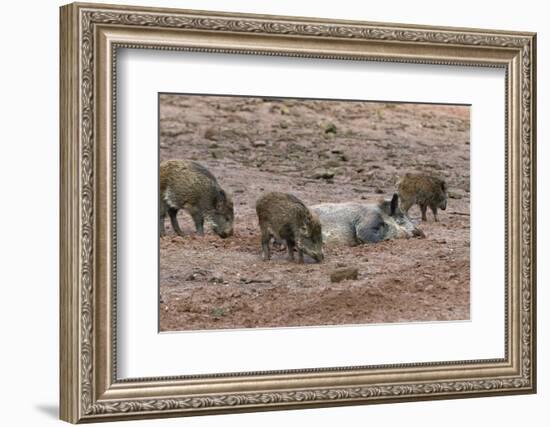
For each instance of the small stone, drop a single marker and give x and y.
(216, 279)
(330, 128)
(196, 274)
(347, 273)
(259, 143)
(323, 173)
(379, 191)
(210, 134)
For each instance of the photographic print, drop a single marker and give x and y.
(287, 212)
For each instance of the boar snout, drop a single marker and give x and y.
(418, 233)
(318, 257)
(225, 234)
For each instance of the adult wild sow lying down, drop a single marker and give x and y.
(352, 223)
(190, 186)
(285, 217)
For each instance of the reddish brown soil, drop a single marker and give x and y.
(255, 145)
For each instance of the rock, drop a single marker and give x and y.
(256, 280)
(378, 191)
(210, 134)
(347, 273)
(195, 274)
(259, 143)
(323, 173)
(454, 195)
(331, 164)
(330, 128)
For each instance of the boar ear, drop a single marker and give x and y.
(393, 204)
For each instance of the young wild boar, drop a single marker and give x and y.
(284, 217)
(188, 185)
(353, 223)
(423, 190)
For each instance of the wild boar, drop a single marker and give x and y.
(285, 217)
(352, 223)
(190, 186)
(423, 190)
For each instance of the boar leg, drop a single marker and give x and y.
(174, 220)
(198, 219)
(300, 256)
(423, 209)
(266, 250)
(162, 217)
(434, 210)
(405, 206)
(290, 247)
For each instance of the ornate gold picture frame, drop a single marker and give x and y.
(91, 35)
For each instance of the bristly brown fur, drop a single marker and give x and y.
(285, 217)
(188, 185)
(424, 190)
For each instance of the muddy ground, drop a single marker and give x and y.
(320, 151)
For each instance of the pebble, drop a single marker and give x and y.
(347, 273)
(330, 128)
(324, 174)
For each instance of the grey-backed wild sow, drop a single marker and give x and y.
(285, 217)
(352, 223)
(424, 190)
(190, 186)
